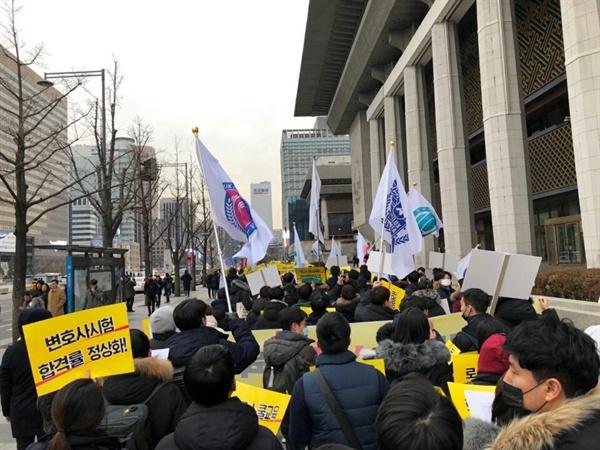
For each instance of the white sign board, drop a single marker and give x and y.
(374, 263)
(480, 404)
(269, 276)
(484, 271)
(445, 261)
(8, 243)
(339, 261)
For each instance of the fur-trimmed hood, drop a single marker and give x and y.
(158, 369)
(405, 358)
(478, 434)
(541, 430)
(341, 301)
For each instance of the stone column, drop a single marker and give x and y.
(377, 155)
(418, 159)
(504, 127)
(394, 131)
(581, 34)
(453, 152)
(360, 157)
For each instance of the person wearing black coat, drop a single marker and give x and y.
(186, 280)
(150, 293)
(512, 311)
(375, 305)
(166, 406)
(215, 283)
(270, 318)
(240, 292)
(17, 388)
(347, 302)
(257, 306)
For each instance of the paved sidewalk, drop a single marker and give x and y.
(135, 321)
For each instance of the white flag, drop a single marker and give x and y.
(392, 218)
(426, 217)
(299, 259)
(316, 249)
(314, 224)
(362, 248)
(335, 251)
(230, 211)
(463, 264)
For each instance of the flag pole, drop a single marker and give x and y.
(195, 131)
(387, 187)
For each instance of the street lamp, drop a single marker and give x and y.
(46, 83)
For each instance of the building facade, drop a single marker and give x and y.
(493, 107)
(298, 148)
(261, 200)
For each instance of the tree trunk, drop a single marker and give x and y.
(20, 269)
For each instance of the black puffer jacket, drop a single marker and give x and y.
(432, 301)
(256, 307)
(91, 440)
(512, 311)
(429, 359)
(240, 292)
(228, 425)
(368, 312)
(167, 405)
(270, 318)
(347, 307)
(466, 339)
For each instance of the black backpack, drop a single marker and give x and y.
(130, 422)
(282, 378)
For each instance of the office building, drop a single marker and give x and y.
(492, 105)
(261, 200)
(298, 148)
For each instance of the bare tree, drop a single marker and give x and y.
(34, 125)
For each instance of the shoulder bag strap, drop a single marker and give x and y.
(337, 410)
(157, 388)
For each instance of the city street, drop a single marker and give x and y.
(135, 321)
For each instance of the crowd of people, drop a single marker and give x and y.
(545, 372)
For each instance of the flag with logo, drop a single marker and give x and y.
(392, 219)
(362, 248)
(230, 211)
(426, 217)
(335, 251)
(299, 259)
(314, 225)
(316, 248)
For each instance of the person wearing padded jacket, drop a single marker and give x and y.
(216, 420)
(257, 306)
(166, 405)
(190, 318)
(270, 318)
(375, 305)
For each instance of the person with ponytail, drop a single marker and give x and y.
(77, 413)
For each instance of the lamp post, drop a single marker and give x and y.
(81, 74)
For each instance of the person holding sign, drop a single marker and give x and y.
(17, 388)
(375, 305)
(553, 374)
(215, 419)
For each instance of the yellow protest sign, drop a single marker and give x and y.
(247, 269)
(62, 349)
(396, 294)
(453, 349)
(346, 268)
(270, 406)
(459, 398)
(147, 328)
(377, 363)
(285, 267)
(465, 366)
(310, 275)
(274, 262)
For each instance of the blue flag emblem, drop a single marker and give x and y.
(425, 220)
(395, 221)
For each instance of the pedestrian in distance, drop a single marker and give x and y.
(186, 279)
(93, 298)
(129, 292)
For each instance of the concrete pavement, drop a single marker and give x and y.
(135, 321)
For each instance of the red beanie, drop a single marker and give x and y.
(492, 359)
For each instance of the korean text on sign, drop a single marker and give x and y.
(270, 406)
(62, 349)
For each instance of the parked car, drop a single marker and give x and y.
(139, 284)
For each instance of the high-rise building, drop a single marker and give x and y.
(298, 148)
(493, 107)
(46, 170)
(262, 201)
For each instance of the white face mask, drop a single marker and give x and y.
(446, 282)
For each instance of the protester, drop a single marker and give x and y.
(474, 305)
(415, 416)
(129, 292)
(375, 305)
(167, 285)
(357, 388)
(152, 377)
(347, 302)
(492, 362)
(413, 282)
(240, 292)
(318, 307)
(304, 292)
(513, 311)
(553, 373)
(162, 326)
(444, 281)
(270, 318)
(215, 419)
(333, 279)
(215, 283)
(186, 280)
(413, 348)
(159, 289)
(432, 299)
(17, 388)
(78, 412)
(258, 306)
(150, 292)
(56, 299)
(220, 308)
(93, 298)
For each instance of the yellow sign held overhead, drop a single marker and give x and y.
(285, 268)
(396, 294)
(310, 275)
(64, 348)
(270, 406)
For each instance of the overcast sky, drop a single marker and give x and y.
(229, 67)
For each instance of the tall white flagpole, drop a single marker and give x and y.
(195, 131)
(387, 188)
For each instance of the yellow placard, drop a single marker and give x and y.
(274, 262)
(308, 309)
(465, 366)
(453, 349)
(346, 268)
(457, 393)
(146, 327)
(396, 294)
(247, 269)
(310, 275)
(378, 363)
(327, 274)
(270, 406)
(64, 348)
(285, 268)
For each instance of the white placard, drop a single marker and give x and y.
(436, 260)
(374, 263)
(8, 243)
(339, 261)
(480, 404)
(445, 261)
(444, 305)
(484, 271)
(269, 276)
(520, 276)
(160, 353)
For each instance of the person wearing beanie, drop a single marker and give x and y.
(493, 361)
(347, 302)
(162, 326)
(17, 388)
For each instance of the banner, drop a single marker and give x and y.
(396, 294)
(270, 406)
(285, 268)
(314, 219)
(425, 215)
(310, 275)
(62, 349)
(480, 406)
